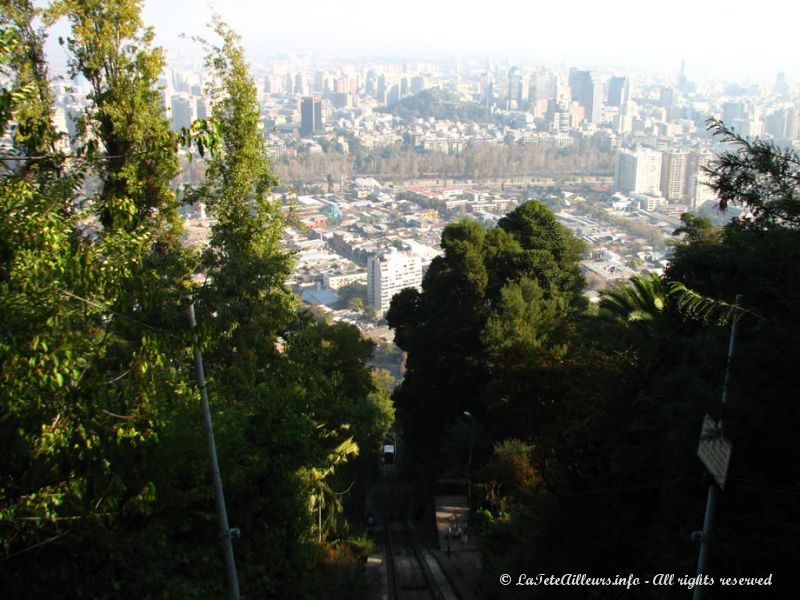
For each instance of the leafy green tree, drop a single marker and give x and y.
(758, 176)
(510, 474)
(86, 374)
(324, 499)
(110, 47)
(439, 329)
(489, 283)
(356, 304)
(105, 458)
(33, 133)
(527, 326)
(294, 400)
(696, 228)
(244, 260)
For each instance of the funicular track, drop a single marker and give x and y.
(410, 576)
(413, 573)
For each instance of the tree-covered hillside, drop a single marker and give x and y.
(104, 474)
(440, 105)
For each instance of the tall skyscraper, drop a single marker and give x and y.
(300, 85)
(577, 80)
(593, 99)
(382, 89)
(393, 95)
(203, 110)
(731, 111)
(618, 91)
(487, 90)
(515, 85)
(682, 81)
(310, 115)
(587, 90)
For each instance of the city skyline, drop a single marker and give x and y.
(724, 38)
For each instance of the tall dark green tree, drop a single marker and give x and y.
(621, 484)
(483, 274)
(756, 258)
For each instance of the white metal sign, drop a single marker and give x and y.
(714, 450)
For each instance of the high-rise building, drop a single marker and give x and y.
(419, 83)
(667, 100)
(393, 95)
(310, 115)
(638, 171)
(587, 90)
(593, 99)
(544, 86)
(389, 273)
(731, 111)
(320, 82)
(184, 111)
(487, 90)
(674, 165)
(618, 91)
(683, 83)
(382, 88)
(781, 87)
(782, 124)
(697, 188)
(201, 105)
(300, 86)
(165, 100)
(577, 80)
(516, 87)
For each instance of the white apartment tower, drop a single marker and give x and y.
(638, 171)
(389, 273)
(697, 188)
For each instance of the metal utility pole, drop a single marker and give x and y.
(222, 512)
(469, 458)
(711, 502)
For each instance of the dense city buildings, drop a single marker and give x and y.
(647, 132)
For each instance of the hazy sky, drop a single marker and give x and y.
(727, 35)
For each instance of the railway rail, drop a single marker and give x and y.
(413, 573)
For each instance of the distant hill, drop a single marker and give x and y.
(440, 105)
